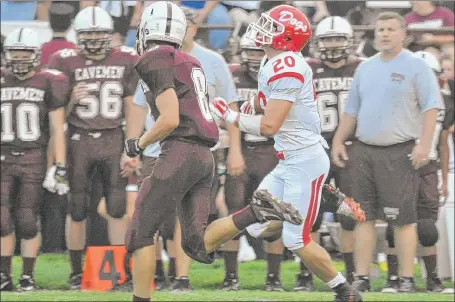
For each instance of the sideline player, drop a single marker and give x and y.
(33, 116)
(103, 81)
(333, 72)
(239, 189)
(290, 115)
(428, 201)
(176, 92)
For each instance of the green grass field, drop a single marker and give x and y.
(52, 273)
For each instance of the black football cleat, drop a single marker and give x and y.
(266, 207)
(231, 282)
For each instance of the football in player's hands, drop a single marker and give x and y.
(258, 104)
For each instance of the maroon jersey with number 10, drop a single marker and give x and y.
(166, 67)
(25, 108)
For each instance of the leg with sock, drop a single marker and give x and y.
(274, 248)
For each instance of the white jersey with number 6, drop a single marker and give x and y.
(288, 76)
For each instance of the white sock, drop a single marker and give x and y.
(339, 279)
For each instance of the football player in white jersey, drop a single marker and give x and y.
(290, 115)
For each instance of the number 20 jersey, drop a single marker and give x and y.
(109, 81)
(288, 76)
(332, 87)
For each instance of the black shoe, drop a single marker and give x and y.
(160, 282)
(273, 283)
(26, 283)
(6, 283)
(407, 285)
(393, 283)
(126, 286)
(75, 281)
(347, 293)
(434, 285)
(361, 285)
(231, 282)
(304, 282)
(344, 205)
(181, 284)
(267, 207)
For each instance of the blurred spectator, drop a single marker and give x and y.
(213, 13)
(335, 8)
(44, 6)
(447, 69)
(426, 14)
(60, 21)
(1, 50)
(18, 10)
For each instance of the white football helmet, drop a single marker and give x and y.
(161, 21)
(251, 55)
(430, 59)
(326, 32)
(93, 19)
(24, 39)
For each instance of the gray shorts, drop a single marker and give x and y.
(384, 182)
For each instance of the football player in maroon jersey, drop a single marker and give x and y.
(104, 82)
(33, 117)
(176, 92)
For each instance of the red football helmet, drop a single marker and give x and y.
(283, 27)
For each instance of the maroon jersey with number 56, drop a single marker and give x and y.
(109, 81)
(166, 67)
(25, 107)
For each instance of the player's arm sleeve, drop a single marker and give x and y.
(353, 102)
(58, 92)
(157, 72)
(225, 86)
(427, 86)
(285, 87)
(139, 97)
(131, 79)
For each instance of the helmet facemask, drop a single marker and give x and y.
(333, 48)
(22, 60)
(252, 59)
(264, 30)
(94, 43)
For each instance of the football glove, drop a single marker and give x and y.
(221, 109)
(132, 147)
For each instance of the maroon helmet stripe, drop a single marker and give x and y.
(20, 35)
(93, 17)
(169, 18)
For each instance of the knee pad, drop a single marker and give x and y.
(427, 232)
(293, 241)
(274, 237)
(6, 224)
(347, 223)
(116, 204)
(390, 236)
(27, 223)
(77, 207)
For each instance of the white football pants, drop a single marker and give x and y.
(297, 179)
